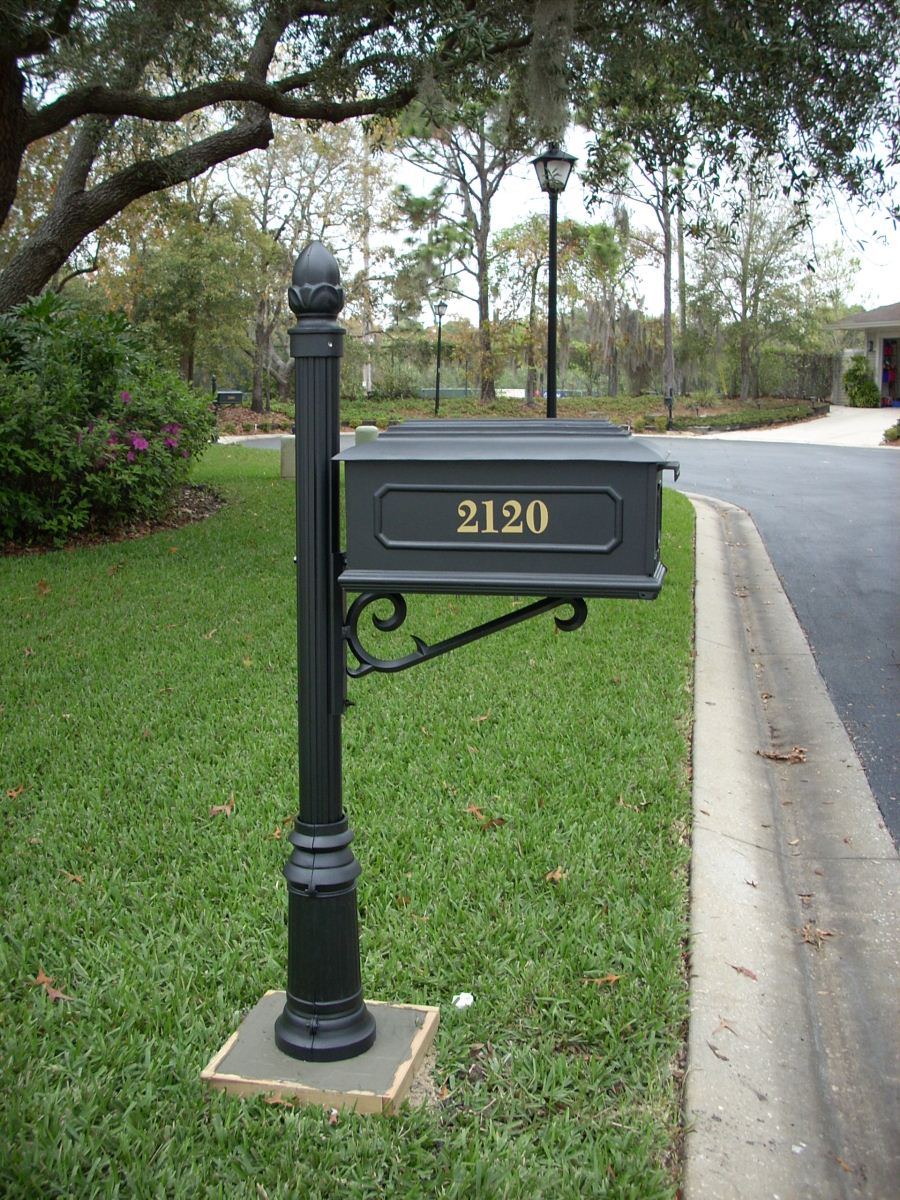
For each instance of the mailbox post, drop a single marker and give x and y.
(555, 509)
(324, 1017)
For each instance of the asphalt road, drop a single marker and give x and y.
(828, 517)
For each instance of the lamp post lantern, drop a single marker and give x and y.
(439, 311)
(553, 169)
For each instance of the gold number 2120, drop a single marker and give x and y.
(535, 516)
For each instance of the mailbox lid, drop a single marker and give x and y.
(491, 441)
(427, 505)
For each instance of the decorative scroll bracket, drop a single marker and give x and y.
(425, 652)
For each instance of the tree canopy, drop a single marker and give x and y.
(144, 94)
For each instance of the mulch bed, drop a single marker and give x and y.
(237, 419)
(193, 502)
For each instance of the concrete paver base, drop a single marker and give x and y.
(375, 1082)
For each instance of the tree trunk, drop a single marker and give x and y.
(75, 215)
(187, 356)
(487, 390)
(12, 144)
(531, 363)
(668, 342)
(261, 338)
(746, 351)
(682, 297)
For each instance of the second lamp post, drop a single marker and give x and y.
(553, 169)
(439, 310)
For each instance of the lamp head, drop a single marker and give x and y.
(553, 168)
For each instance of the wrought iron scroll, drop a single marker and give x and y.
(425, 652)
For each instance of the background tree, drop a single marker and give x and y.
(99, 66)
(749, 269)
(809, 82)
(521, 255)
(191, 288)
(470, 150)
(310, 183)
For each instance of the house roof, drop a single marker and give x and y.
(875, 318)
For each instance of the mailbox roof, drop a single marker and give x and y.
(492, 441)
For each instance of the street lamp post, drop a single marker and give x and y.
(553, 169)
(439, 310)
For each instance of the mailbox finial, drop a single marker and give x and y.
(316, 279)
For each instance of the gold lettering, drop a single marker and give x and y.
(512, 509)
(467, 510)
(536, 517)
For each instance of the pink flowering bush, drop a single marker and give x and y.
(92, 432)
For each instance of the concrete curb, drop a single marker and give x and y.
(793, 1063)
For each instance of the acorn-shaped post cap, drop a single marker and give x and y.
(316, 290)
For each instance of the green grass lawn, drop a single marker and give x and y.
(147, 681)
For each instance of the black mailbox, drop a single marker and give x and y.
(531, 508)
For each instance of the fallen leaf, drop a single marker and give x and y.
(751, 883)
(402, 901)
(475, 811)
(557, 875)
(43, 587)
(813, 936)
(217, 810)
(248, 662)
(46, 983)
(483, 717)
(718, 1053)
(173, 549)
(492, 823)
(744, 971)
(796, 754)
(472, 749)
(723, 1025)
(16, 792)
(600, 980)
(279, 1101)
(620, 800)
(276, 833)
(28, 652)
(72, 878)
(210, 634)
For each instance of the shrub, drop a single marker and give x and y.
(893, 433)
(92, 432)
(862, 390)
